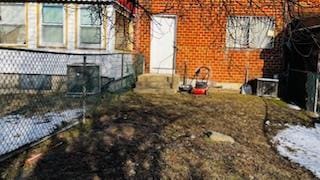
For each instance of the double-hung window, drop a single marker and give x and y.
(90, 33)
(250, 32)
(123, 33)
(12, 24)
(52, 25)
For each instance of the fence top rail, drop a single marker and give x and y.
(64, 53)
(302, 71)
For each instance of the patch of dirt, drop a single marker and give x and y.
(163, 137)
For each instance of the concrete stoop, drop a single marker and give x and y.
(157, 84)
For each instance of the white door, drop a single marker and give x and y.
(163, 34)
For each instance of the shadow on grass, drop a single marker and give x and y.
(36, 102)
(122, 142)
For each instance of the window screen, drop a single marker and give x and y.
(35, 82)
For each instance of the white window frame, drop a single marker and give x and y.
(79, 26)
(63, 44)
(248, 46)
(25, 25)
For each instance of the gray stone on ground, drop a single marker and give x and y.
(219, 137)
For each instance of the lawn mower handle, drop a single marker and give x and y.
(202, 67)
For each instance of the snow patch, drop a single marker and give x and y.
(294, 107)
(17, 130)
(301, 145)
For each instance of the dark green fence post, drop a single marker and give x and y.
(122, 65)
(84, 88)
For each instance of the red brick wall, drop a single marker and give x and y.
(306, 8)
(201, 37)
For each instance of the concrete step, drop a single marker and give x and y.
(153, 84)
(154, 91)
(158, 77)
(157, 81)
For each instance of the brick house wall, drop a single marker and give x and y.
(305, 8)
(201, 38)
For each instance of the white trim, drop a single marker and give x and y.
(111, 33)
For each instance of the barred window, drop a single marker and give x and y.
(12, 23)
(35, 82)
(123, 33)
(52, 23)
(250, 32)
(90, 28)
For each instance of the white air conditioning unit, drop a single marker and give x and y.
(267, 87)
(83, 79)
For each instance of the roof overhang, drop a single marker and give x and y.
(64, 1)
(128, 5)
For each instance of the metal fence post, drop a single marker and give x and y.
(315, 109)
(316, 93)
(84, 88)
(122, 66)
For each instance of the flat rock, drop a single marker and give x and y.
(219, 137)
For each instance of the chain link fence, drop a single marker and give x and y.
(43, 92)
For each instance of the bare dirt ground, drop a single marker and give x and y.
(134, 136)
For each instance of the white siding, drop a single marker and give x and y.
(111, 40)
(23, 62)
(32, 24)
(71, 27)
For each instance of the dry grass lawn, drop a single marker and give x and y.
(134, 136)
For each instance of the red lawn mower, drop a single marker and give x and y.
(201, 77)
